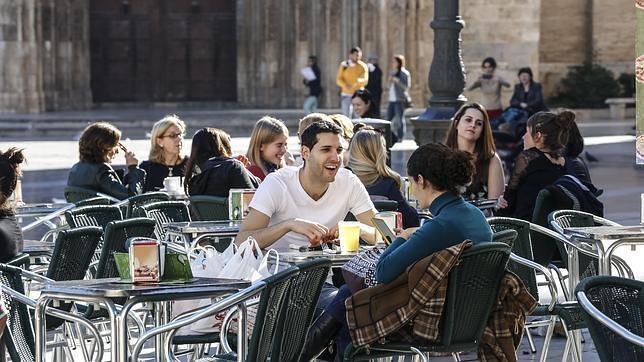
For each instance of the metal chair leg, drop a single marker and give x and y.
(546, 341)
(533, 348)
(570, 340)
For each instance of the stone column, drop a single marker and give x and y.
(446, 74)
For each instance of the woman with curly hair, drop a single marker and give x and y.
(470, 131)
(437, 175)
(98, 145)
(10, 233)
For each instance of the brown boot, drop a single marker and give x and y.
(320, 334)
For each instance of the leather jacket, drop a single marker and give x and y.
(103, 178)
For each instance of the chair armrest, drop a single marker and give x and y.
(607, 322)
(67, 316)
(20, 260)
(223, 334)
(551, 283)
(187, 319)
(542, 230)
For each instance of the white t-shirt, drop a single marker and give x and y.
(281, 197)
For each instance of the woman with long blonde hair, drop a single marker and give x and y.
(368, 155)
(268, 147)
(165, 159)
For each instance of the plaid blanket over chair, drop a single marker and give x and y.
(416, 297)
(504, 329)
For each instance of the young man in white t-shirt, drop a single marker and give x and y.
(303, 205)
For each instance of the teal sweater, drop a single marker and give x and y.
(454, 221)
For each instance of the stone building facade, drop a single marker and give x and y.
(52, 54)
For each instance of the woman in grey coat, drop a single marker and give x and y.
(399, 82)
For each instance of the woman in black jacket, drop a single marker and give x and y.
(97, 147)
(10, 233)
(211, 170)
(527, 94)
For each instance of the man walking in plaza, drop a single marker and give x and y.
(303, 205)
(353, 74)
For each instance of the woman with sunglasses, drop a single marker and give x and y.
(98, 145)
(490, 84)
(165, 160)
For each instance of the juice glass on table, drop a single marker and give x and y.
(349, 232)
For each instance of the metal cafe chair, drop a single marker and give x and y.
(476, 277)
(527, 269)
(209, 208)
(272, 293)
(613, 309)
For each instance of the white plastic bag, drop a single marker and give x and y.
(245, 262)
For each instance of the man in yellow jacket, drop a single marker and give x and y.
(353, 74)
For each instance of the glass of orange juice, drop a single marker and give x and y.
(349, 236)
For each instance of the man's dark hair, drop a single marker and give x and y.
(527, 71)
(355, 50)
(310, 134)
(313, 58)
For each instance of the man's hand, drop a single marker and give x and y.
(312, 230)
(331, 235)
(289, 159)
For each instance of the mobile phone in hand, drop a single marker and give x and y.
(122, 147)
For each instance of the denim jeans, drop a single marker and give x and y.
(345, 104)
(310, 104)
(395, 114)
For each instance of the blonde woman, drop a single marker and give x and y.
(165, 160)
(368, 154)
(268, 147)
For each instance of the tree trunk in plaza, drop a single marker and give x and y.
(446, 75)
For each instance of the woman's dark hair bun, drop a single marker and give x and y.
(565, 119)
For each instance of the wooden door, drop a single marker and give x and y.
(163, 50)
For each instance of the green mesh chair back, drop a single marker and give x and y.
(136, 201)
(115, 236)
(298, 310)
(19, 334)
(561, 219)
(621, 300)
(269, 308)
(116, 233)
(505, 236)
(543, 247)
(70, 259)
(476, 277)
(99, 200)
(209, 208)
(74, 193)
(164, 212)
(522, 247)
(385, 205)
(93, 215)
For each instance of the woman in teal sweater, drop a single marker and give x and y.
(437, 175)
